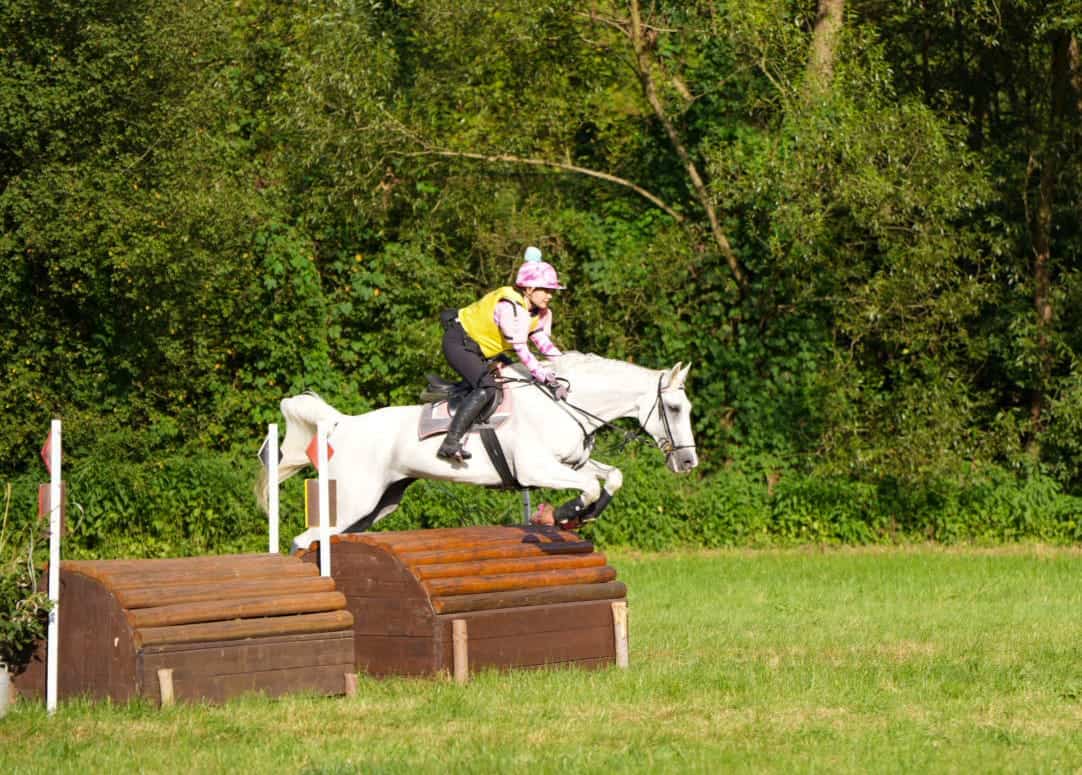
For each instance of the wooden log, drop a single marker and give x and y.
(150, 597)
(170, 577)
(110, 571)
(460, 651)
(238, 629)
(528, 597)
(494, 552)
(515, 565)
(479, 584)
(94, 567)
(239, 608)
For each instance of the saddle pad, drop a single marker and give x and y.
(436, 417)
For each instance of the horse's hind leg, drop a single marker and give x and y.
(355, 504)
(389, 501)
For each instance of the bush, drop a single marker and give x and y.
(193, 502)
(197, 502)
(23, 606)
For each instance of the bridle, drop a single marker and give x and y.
(666, 445)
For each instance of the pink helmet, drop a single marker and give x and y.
(535, 273)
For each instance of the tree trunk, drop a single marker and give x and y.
(1051, 162)
(824, 46)
(1075, 58)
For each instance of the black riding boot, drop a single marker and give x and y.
(471, 406)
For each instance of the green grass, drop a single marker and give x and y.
(863, 660)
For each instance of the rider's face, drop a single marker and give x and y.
(539, 297)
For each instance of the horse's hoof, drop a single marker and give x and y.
(545, 516)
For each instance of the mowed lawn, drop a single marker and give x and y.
(851, 660)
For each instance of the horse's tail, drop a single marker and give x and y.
(302, 414)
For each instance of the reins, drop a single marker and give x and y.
(565, 405)
(666, 445)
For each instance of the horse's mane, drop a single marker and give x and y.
(573, 361)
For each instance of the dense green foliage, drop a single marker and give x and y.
(24, 605)
(206, 208)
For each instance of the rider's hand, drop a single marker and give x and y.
(546, 377)
(559, 389)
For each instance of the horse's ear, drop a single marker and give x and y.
(670, 380)
(682, 377)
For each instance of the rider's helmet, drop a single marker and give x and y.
(535, 273)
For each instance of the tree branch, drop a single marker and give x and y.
(643, 64)
(509, 159)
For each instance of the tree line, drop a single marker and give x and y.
(857, 219)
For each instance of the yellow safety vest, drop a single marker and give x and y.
(479, 321)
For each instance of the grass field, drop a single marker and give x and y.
(866, 660)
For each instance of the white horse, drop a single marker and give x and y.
(547, 443)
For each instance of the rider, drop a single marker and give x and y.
(504, 319)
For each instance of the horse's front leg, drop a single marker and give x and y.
(554, 475)
(593, 498)
(613, 480)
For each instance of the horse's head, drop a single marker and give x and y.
(666, 415)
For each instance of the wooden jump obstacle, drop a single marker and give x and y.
(507, 596)
(197, 628)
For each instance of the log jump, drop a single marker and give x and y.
(197, 628)
(527, 596)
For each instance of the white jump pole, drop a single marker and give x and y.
(52, 668)
(272, 484)
(324, 501)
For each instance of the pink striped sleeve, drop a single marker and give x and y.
(514, 324)
(541, 337)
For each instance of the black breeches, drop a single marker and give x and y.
(465, 357)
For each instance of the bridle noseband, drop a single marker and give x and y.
(666, 445)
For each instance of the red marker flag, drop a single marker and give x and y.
(313, 451)
(47, 453)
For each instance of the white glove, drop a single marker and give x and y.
(545, 376)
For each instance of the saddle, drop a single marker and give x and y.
(441, 399)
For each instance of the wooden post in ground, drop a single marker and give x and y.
(322, 429)
(165, 686)
(55, 505)
(619, 628)
(461, 652)
(272, 488)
